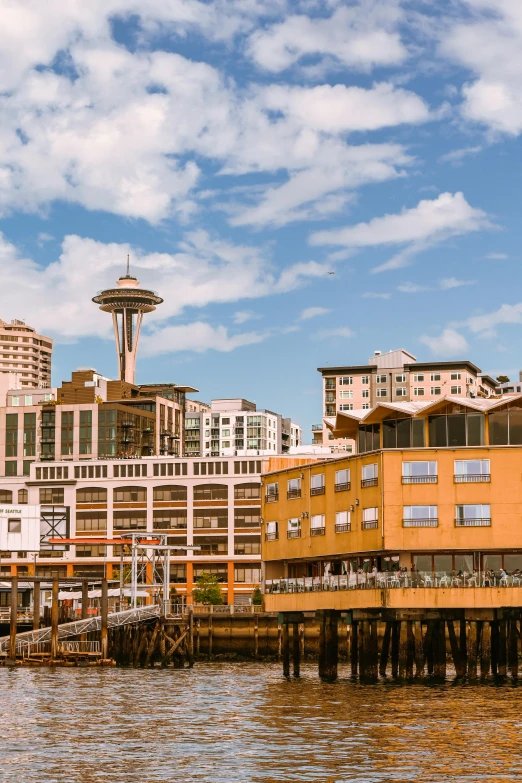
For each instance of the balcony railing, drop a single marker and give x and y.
(471, 478)
(420, 479)
(273, 497)
(370, 524)
(317, 427)
(271, 536)
(342, 487)
(317, 490)
(293, 533)
(371, 482)
(344, 528)
(420, 522)
(317, 531)
(293, 493)
(482, 522)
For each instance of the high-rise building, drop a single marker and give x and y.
(25, 357)
(128, 303)
(235, 427)
(395, 376)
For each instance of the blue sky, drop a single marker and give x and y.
(242, 150)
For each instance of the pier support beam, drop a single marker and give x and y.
(385, 649)
(418, 649)
(513, 649)
(485, 650)
(104, 634)
(190, 643)
(285, 649)
(36, 605)
(296, 650)
(502, 649)
(54, 620)
(354, 648)
(472, 649)
(328, 645)
(459, 663)
(14, 620)
(395, 649)
(440, 649)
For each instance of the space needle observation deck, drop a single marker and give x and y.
(128, 303)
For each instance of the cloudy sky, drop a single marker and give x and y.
(242, 151)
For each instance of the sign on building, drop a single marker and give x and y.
(19, 528)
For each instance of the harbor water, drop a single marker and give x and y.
(228, 722)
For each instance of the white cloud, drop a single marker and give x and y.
(198, 337)
(375, 295)
(489, 45)
(412, 288)
(203, 271)
(324, 334)
(428, 223)
(448, 343)
(242, 316)
(313, 312)
(451, 282)
(497, 256)
(362, 36)
(457, 156)
(485, 324)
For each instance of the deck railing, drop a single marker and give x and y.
(391, 580)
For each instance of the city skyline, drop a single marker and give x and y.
(384, 153)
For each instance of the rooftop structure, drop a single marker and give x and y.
(128, 303)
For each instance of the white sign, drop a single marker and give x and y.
(19, 528)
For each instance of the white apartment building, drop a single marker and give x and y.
(25, 357)
(235, 427)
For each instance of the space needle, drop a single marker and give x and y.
(128, 303)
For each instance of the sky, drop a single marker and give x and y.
(303, 182)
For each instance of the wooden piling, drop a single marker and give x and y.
(104, 610)
(373, 650)
(513, 649)
(385, 649)
(285, 649)
(14, 620)
(485, 650)
(428, 646)
(256, 636)
(190, 640)
(361, 645)
(296, 650)
(395, 649)
(410, 649)
(54, 619)
(331, 649)
(36, 605)
(494, 648)
(502, 649)
(440, 660)
(472, 649)
(418, 648)
(354, 648)
(403, 648)
(460, 667)
(210, 634)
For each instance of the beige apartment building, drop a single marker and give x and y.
(395, 376)
(25, 357)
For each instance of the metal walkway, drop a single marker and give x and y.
(65, 630)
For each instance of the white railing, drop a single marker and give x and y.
(385, 580)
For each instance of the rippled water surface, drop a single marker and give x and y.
(242, 722)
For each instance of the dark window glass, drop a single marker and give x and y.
(457, 429)
(437, 427)
(475, 422)
(403, 433)
(498, 428)
(389, 434)
(515, 427)
(417, 438)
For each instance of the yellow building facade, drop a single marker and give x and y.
(433, 499)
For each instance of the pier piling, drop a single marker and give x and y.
(54, 619)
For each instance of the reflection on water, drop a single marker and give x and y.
(240, 722)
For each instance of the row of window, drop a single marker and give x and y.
(466, 515)
(347, 380)
(131, 470)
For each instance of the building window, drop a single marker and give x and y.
(85, 432)
(346, 395)
(67, 432)
(23, 496)
(400, 378)
(455, 376)
(365, 394)
(293, 488)
(346, 380)
(370, 518)
(272, 493)
(456, 390)
(11, 435)
(369, 437)
(419, 472)
(370, 475)
(210, 518)
(91, 550)
(346, 406)
(400, 392)
(458, 429)
(29, 434)
(247, 517)
(342, 480)
(366, 406)
(6, 496)
(418, 391)
(342, 522)
(317, 484)
(317, 526)
(272, 533)
(381, 379)
(211, 492)
(404, 433)
(435, 376)
(436, 390)
(247, 491)
(91, 495)
(505, 427)
(14, 525)
(130, 519)
(365, 380)
(248, 575)
(10, 468)
(130, 495)
(418, 377)
(381, 392)
(170, 519)
(470, 471)
(51, 496)
(91, 520)
(170, 492)
(478, 515)
(420, 516)
(247, 545)
(294, 528)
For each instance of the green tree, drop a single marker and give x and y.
(257, 597)
(502, 379)
(207, 590)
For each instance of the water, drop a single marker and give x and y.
(222, 723)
